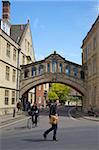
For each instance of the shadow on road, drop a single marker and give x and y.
(36, 140)
(20, 128)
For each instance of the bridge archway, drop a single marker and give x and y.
(53, 69)
(52, 78)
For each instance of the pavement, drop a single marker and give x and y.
(86, 116)
(9, 119)
(80, 114)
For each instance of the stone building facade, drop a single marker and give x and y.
(16, 48)
(90, 62)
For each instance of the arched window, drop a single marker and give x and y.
(54, 66)
(26, 73)
(48, 67)
(82, 75)
(34, 71)
(60, 68)
(67, 71)
(41, 69)
(75, 72)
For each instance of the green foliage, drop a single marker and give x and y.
(52, 96)
(74, 99)
(60, 90)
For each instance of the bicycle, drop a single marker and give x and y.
(30, 123)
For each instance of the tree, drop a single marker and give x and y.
(60, 90)
(52, 96)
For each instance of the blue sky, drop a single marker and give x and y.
(56, 25)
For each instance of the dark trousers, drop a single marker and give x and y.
(54, 128)
(34, 119)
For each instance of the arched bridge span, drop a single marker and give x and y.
(53, 69)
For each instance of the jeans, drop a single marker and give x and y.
(34, 119)
(54, 128)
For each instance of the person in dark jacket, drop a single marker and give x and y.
(34, 113)
(53, 116)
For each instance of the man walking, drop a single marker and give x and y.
(53, 116)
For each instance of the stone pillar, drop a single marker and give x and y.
(51, 67)
(71, 71)
(46, 67)
(85, 103)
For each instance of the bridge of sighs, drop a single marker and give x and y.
(52, 69)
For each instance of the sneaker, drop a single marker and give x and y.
(44, 135)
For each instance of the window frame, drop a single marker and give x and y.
(8, 48)
(7, 73)
(6, 102)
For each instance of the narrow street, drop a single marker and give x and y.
(73, 134)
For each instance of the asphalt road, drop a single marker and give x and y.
(72, 135)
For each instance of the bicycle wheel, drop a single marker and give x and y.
(29, 123)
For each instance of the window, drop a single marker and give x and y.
(34, 71)
(39, 87)
(8, 50)
(54, 66)
(14, 54)
(45, 86)
(75, 72)
(13, 97)
(48, 67)
(89, 48)
(14, 75)
(89, 69)
(26, 73)
(6, 97)
(94, 43)
(28, 46)
(60, 68)
(82, 75)
(39, 99)
(7, 73)
(67, 71)
(40, 69)
(85, 53)
(25, 44)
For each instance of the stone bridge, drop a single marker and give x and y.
(53, 69)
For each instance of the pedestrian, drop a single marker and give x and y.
(13, 112)
(53, 117)
(34, 113)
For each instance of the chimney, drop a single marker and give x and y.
(6, 10)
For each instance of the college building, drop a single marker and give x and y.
(90, 63)
(16, 48)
